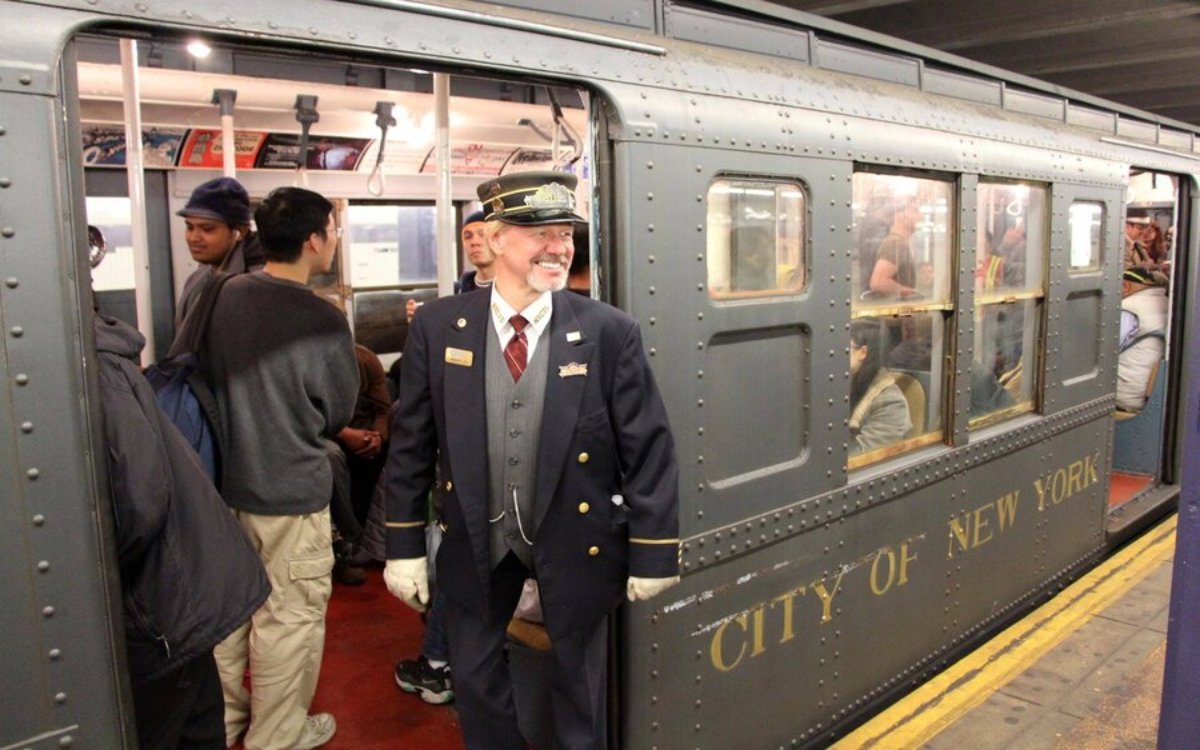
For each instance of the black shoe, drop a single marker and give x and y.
(417, 676)
(348, 574)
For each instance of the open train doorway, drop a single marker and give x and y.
(1152, 270)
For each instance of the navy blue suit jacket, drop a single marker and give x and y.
(604, 433)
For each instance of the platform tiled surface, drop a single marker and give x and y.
(1097, 690)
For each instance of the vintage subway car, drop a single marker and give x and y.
(778, 201)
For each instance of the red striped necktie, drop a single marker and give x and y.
(516, 352)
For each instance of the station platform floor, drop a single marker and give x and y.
(1082, 672)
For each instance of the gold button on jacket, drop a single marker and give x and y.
(593, 551)
(584, 507)
(449, 486)
(583, 457)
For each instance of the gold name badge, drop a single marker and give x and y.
(574, 369)
(460, 357)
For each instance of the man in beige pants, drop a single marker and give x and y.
(283, 371)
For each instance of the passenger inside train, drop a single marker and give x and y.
(879, 412)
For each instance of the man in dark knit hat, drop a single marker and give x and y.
(518, 396)
(217, 217)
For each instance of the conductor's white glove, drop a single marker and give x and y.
(641, 589)
(408, 580)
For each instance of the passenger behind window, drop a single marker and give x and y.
(753, 266)
(879, 413)
(1143, 328)
(894, 274)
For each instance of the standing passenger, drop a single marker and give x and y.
(894, 274)
(217, 217)
(429, 675)
(188, 576)
(556, 462)
(285, 378)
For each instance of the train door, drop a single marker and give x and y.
(1144, 466)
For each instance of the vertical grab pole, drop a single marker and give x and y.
(135, 170)
(224, 99)
(447, 246)
(1179, 722)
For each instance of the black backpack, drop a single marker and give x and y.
(181, 385)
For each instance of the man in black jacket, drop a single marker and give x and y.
(188, 574)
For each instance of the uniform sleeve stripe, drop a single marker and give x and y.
(406, 525)
(639, 540)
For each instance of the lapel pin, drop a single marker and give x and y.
(460, 324)
(572, 369)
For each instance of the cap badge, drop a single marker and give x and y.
(552, 196)
(571, 370)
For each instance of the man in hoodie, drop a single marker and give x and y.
(188, 575)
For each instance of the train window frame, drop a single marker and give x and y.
(939, 306)
(1096, 239)
(1007, 296)
(720, 245)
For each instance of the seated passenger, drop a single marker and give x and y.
(1143, 325)
(878, 411)
(987, 391)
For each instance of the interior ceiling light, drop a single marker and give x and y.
(199, 49)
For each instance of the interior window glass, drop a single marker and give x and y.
(111, 216)
(756, 237)
(1086, 223)
(392, 244)
(901, 276)
(902, 235)
(896, 376)
(1009, 289)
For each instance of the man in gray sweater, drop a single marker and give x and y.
(284, 374)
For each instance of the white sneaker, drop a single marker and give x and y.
(318, 729)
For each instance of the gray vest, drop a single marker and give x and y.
(514, 425)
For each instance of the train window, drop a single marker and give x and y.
(756, 237)
(392, 245)
(901, 274)
(1009, 290)
(115, 271)
(392, 255)
(1086, 222)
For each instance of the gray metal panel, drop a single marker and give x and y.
(1175, 139)
(636, 13)
(694, 25)
(1080, 352)
(57, 536)
(836, 617)
(1086, 117)
(1083, 308)
(1138, 131)
(882, 66)
(690, 337)
(1037, 105)
(960, 86)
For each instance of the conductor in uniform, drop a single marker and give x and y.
(556, 462)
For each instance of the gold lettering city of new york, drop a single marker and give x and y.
(751, 632)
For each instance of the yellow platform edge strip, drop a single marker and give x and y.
(931, 708)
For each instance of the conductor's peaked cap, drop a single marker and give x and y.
(530, 198)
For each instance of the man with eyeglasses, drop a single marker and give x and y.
(285, 377)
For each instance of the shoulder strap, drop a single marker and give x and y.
(192, 331)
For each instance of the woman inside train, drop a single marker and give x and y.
(879, 413)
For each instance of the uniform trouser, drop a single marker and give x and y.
(283, 642)
(180, 710)
(483, 688)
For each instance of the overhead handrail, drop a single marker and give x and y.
(306, 115)
(383, 118)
